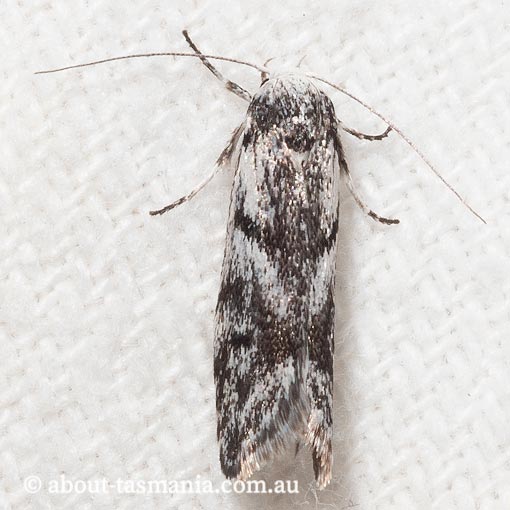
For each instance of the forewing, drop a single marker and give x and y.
(275, 313)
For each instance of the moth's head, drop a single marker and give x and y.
(287, 83)
(283, 70)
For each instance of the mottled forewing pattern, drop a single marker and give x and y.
(273, 347)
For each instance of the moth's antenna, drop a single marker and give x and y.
(161, 54)
(404, 137)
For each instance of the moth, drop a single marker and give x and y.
(275, 314)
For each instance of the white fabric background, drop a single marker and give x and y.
(107, 313)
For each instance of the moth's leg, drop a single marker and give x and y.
(230, 85)
(226, 154)
(350, 186)
(363, 136)
(225, 158)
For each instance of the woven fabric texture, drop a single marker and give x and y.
(106, 313)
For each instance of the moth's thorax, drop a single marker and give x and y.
(292, 106)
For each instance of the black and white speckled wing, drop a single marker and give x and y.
(273, 347)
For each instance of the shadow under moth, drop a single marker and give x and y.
(275, 315)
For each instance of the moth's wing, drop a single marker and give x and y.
(264, 347)
(319, 299)
(319, 373)
(259, 353)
